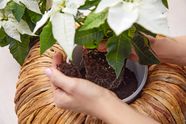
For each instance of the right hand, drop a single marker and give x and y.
(77, 94)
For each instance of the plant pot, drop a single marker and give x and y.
(140, 71)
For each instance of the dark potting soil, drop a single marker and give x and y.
(96, 69)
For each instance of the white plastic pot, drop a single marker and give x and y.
(140, 71)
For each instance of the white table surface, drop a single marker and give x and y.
(9, 68)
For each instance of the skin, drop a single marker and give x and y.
(170, 50)
(84, 96)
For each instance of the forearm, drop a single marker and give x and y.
(171, 50)
(114, 111)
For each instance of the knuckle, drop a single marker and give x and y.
(60, 103)
(57, 101)
(63, 104)
(57, 105)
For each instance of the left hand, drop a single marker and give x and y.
(156, 45)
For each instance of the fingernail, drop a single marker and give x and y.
(48, 72)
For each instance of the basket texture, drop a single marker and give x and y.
(163, 99)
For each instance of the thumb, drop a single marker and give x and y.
(57, 59)
(60, 80)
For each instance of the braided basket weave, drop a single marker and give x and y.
(163, 99)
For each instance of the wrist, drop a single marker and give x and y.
(110, 109)
(113, 111)
(101, 108)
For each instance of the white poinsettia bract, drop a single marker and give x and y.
(8, 22)
(29, 4)
(12, 27)
(151, 14)
(3, 3)
(61, 16)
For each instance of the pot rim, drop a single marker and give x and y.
(133, 96)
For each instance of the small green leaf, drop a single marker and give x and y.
(19, 50)
(146, 56)
(46, 38)
(139, 28)
(165, 3)
(43, 4)
(90, 3)
(17, 10)
(94, 20)
(89, 39)
(28, 19)
(119, 48)
(132, 31)
(35, 17)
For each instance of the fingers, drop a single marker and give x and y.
(56, 59)
(60, 80)
(151, 39)
(133, 56)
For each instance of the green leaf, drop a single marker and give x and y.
(146, 56)
(132, 31)
(119, 48)
(35, 17)
(94, 20)
(90, 3)
(17, 10)
(89, 39)
(106, 29)
(3, 41)
(2, 34)
(165, 3)
(29, 18)
(139, 28)
(19, 50)
(46, 38)
(43, 4)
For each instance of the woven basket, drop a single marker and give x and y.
(163, 99)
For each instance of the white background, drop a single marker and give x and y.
(177, 17)
(9, 68)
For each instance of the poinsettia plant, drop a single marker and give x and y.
(84, 22)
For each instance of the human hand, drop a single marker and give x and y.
(76, 94)
(158, 45)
